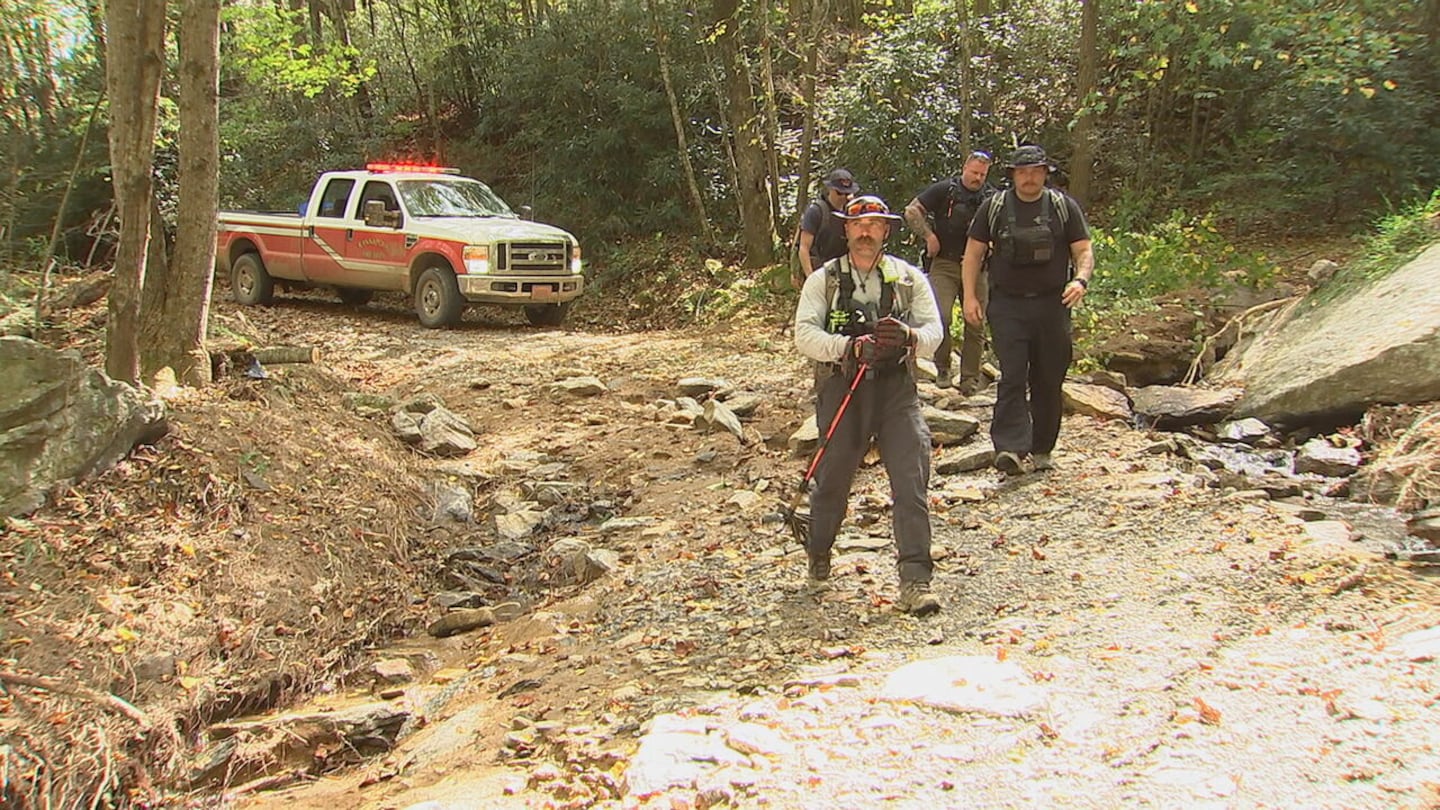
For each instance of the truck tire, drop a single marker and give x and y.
(437, 298)
(354, 296)
(250, 282)
(547, 314)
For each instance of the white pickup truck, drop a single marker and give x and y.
(447, 240)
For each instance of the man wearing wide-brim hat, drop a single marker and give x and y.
(1039, 268)
(863, 318)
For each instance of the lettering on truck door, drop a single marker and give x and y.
(375, 254)
(325, 249)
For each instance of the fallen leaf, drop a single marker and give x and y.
(1209, 715)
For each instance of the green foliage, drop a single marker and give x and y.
(267, 48)
(1398, 237)
(1180, 253)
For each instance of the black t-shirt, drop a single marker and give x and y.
(951, 206)
(1018, 277)
(829, 232)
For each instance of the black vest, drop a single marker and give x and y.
(829, 242)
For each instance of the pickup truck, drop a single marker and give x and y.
(446, 240)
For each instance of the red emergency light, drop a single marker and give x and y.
(419, 168)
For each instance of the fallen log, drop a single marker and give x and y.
(287, 354)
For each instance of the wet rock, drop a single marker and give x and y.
(948, 427)
(1320, 457)
(1168, 407)
(1098, 401)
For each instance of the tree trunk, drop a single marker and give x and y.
(967, 113)
(807, 101)
(772, 117)
(1081, 170)
(135, 59)
(678, 120)
(187, 310)
(757, 225)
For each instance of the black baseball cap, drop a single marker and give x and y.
(842, 180)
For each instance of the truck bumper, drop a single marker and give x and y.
(491, 289)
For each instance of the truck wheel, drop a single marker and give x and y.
(249, 281)
(354, 296)
(437, 298)
(547, 314)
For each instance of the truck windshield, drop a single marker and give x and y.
(452, 197)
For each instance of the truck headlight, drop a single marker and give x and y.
(575, 267)
(477, 259)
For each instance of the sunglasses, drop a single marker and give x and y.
(860, 208)
(979, 154)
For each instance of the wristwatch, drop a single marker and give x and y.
(1082, 282)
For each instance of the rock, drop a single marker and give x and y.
(1321, 271)
(676, 752)
(1167, 407)
(365, 404)
(518, 524)
(455, 600)
(574, 562)
(1425, 524)
(966, 683)
(948, 427)
(700, 386)
(392, 671)
(744, 405)
(1105, 378)
(745, 499)
(804, 440)
(61, 420)
(1299, 511)
(406, 426)
(1320, 457)
(1380, 343)
(240, 750)
(1420, 645)
(577, 387)
(461, 621)
(753, 738)
(1330, 532)
(1245, 431)
(1100, 402)
(452, 503)
(716, 417)
(967, 458)
(443, 433)
(421, 404)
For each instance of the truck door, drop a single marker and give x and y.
(375, 254)
(325, 247)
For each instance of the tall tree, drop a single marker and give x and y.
(756, 220)
(676, 119)
(135, 58)
(179, 323)
(1083, 154)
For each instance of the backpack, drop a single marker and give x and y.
(1057, 201)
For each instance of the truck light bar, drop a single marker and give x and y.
(421, 168)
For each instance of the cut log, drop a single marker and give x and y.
(287, 354)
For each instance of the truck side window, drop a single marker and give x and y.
(378, 190)
(337, 194)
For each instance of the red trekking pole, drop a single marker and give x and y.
(799, 524)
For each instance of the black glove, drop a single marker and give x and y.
(893, 333)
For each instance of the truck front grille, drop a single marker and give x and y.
(543, 258)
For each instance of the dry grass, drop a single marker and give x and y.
(1406, 468)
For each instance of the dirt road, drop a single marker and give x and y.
(1114, 632)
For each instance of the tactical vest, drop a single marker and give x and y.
(1028, 247)
(895, 299)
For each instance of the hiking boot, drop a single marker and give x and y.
(944, 378)
(1008, 463)
(916, 599)
(819, 567)
(970, 386)
(1041, 461)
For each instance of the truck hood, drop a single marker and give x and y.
(483, 230)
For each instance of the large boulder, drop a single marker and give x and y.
(1332, 360)
(62, 420)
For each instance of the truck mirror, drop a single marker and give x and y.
(527, 212)
(377, 217)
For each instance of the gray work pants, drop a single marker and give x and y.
(945, 281)
(886, 407)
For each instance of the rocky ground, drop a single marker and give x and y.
(1120, 630)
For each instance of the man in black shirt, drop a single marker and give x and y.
(1039, 264)
(822, 236)
(941, 214)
